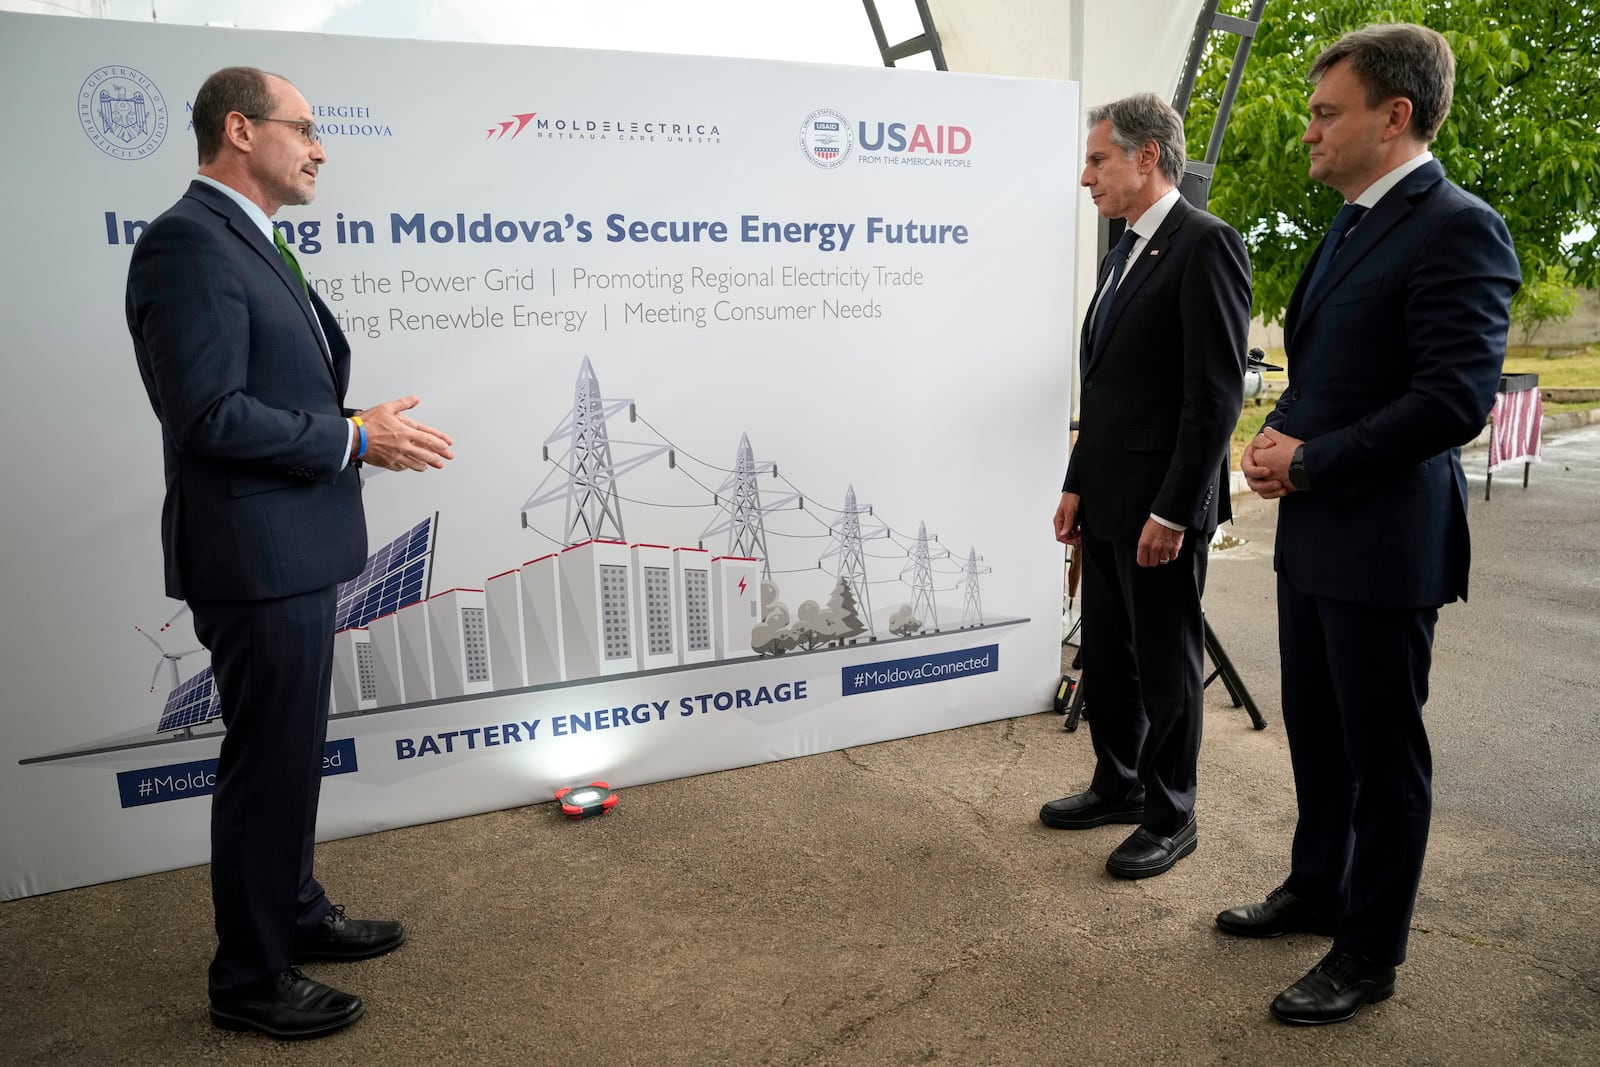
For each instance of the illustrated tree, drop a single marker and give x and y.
(772, 635)
(806, 629)
(903, 623)
(1523, 133)
(842, 614)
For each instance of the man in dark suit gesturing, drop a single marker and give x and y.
(1162, 367)
(1395, 337)
(247, 369)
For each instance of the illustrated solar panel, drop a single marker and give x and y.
(393, 577)
(193, 702)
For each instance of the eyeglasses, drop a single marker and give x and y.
(307, 129)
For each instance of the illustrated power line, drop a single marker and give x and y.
(745, 519)
(846, 548)
(971, 602)
(920, 568)
(587, 473)
(590, 489)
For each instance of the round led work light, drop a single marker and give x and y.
(582, 801)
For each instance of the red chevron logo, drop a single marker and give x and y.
(499, 131)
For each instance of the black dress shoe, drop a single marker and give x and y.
(343, 938)
(1144, 854)
(1334, 990)
(1089, 808)
(289, 1006)
(1281, 913)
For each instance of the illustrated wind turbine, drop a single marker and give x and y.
(169, 658)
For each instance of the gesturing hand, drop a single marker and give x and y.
(397, 442)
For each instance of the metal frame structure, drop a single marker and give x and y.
(1197, 173)
(926, 41)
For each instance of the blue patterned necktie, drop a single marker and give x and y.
(1343, 223)
(1118, 258)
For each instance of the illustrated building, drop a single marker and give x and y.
(691, 611)
(502, 597)
(543, 641)
(596, 609)
(458, 643)
(416, 662)
(736, 604)
(654, 642)
(355, 676)
(388, 679)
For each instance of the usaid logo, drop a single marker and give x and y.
(937, 140)
(826, 139)
(123, 112)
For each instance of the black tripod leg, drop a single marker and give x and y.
(1230, 678)
(1075, 709)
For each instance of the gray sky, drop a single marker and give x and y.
(816, 31)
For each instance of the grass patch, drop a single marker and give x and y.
(1556, 368)
(1250, 420)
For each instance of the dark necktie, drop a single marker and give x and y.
(1343, 223)
(288, 258)
(1118, 257)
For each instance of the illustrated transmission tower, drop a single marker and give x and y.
(590, 486)
(923, 607)
(846, 546)
(971, 602)
(741, 497)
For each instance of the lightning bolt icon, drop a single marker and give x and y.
(741, 585)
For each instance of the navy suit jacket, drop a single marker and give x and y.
(251, 405)
(1393, 364)
(1161, 396)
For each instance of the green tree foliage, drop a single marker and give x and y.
(1523, 133)
(1543, 299)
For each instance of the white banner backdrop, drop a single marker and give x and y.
(866, 274)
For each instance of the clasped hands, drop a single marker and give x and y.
(397, 442)
(1265, 463)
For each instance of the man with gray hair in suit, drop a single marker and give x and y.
(1161, 361)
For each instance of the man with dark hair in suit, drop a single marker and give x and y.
(1395, 336)
(1162, 366)
(246, 369)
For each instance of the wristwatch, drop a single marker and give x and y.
(1297, 469)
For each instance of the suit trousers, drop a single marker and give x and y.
(1143, 643)
(1355, 678)
(273, 661)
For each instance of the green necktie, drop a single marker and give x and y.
(288, 257)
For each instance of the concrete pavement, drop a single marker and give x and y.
(900, 904)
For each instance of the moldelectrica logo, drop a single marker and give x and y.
(826, 139)
(123, 112)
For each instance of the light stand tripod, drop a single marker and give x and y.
(1223, 668)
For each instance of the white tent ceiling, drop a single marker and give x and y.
(1112, 48)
